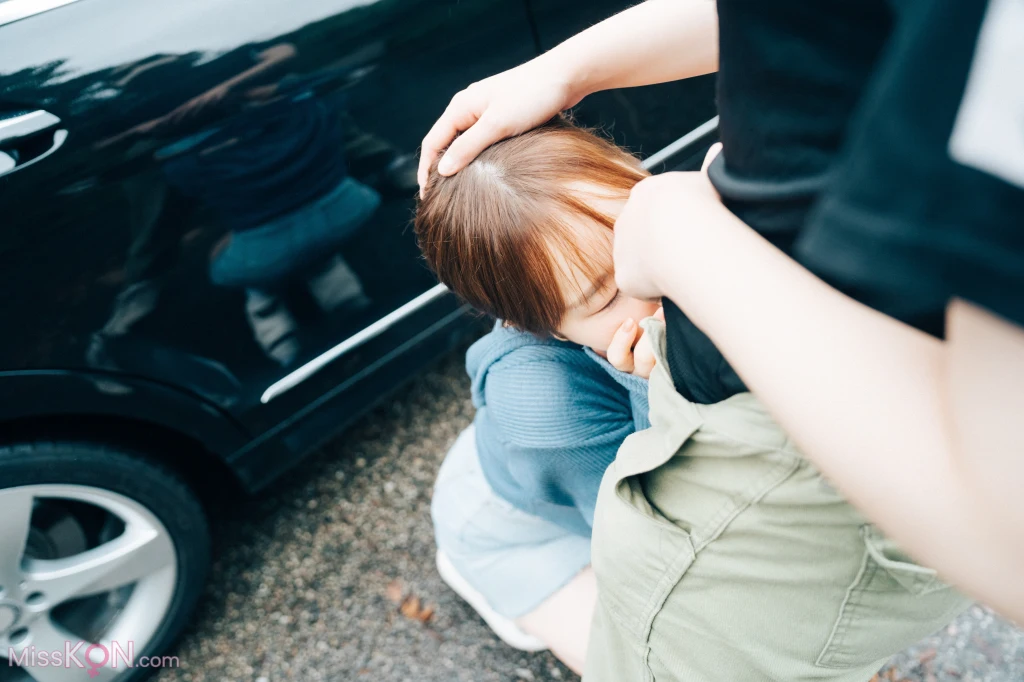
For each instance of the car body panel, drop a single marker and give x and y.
(113, 247)
(86, 395)
(220, 198)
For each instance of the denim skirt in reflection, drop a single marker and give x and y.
(270, 253)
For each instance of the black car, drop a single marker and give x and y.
(208, 268)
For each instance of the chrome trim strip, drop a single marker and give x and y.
(26, 124)
(687, 139)
(302, 373)
(14, 10)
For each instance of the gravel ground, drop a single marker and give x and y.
(330, 576)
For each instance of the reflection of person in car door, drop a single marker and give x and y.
(276, 176)
(272, 170)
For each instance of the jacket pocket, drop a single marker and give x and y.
(637, 552)
(891, 604)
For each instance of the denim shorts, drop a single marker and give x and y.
(266, 255)
(514, 559)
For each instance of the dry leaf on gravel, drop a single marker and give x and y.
(409, 605)
(413, 609)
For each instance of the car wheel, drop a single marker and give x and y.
(103, 555)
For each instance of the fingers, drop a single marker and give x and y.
(643, 357)
(468, 146)
(488, 111)
(643, 352)
(620, 350)
(714, 151)
(461, 114)
(466, 114)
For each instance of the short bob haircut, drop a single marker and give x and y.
(492, 232)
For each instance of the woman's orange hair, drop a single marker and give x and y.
(491, 232)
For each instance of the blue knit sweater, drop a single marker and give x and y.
(550, 417)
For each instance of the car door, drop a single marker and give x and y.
(646, 119)
(216, 194)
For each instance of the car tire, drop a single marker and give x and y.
(82, 497)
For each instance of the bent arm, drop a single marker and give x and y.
(654, 42)
(922, 435)
(657, 41)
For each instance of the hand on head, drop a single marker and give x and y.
(501, 106)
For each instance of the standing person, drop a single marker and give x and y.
(920, 216)
(792, 77)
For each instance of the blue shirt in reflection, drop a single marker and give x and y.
(268, 160)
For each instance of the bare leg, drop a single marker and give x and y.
(562, 621)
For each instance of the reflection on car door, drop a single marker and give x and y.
(231, 197)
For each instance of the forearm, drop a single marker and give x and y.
(654, 42)
(864, 396)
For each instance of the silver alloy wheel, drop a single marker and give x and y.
(116, 587)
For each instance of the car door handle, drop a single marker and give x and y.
(23, 125)
(20, 141)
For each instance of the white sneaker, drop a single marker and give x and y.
(505, 628)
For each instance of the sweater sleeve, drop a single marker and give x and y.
(636, 386)
(562, 422)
